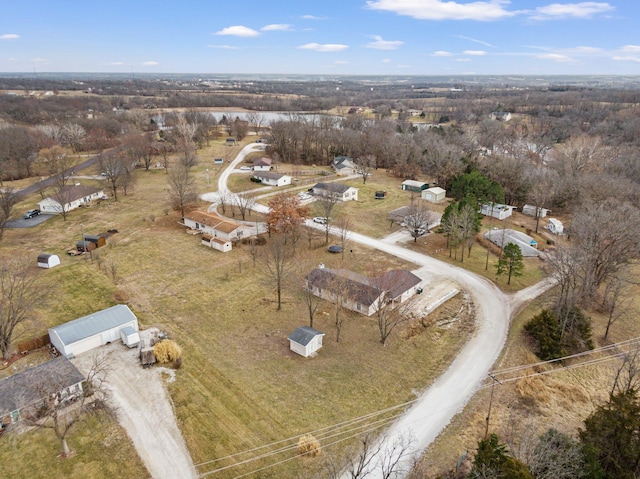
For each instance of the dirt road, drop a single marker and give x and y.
(144, 410)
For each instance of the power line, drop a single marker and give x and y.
(354, 428)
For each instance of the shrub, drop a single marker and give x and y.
(309, 446)
(545, 329)
(167, 351)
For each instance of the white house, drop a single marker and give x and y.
(55, 380)
(500, 115)
(216, 226)
(337, 190)
(344, 166)
(530, 210)
(69, 198)
(262, 164)
(305, 341)
(48, 260)
(497, 210)
(92, 331)
(272, 179)
(555, 226)
(435, 194)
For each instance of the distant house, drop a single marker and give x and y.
(48, 260)
(216, 226)
(497, 210)
(360, 293)
(69, 198)
(92, 331)
(414, 186)
(530, 210)
(231, 141)
(337, 190)
(414, 112)
(305, 341)
(344, 166)
(23, 393)
(435, 194)
(500, 115)
(262, 164)
(555, 226)
(399, 214)
(503, 237)
(272, 179)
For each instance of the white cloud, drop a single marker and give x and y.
(386, 60)
(587, 50)
(627, 58)
(238, 31)
(631, 48)
(462, 60)
(224, 47)
(312, 17)
(576, 10)
(556, 57)
(441, 10)
(326, 47)
(150, 63)
(380, 44)
(475, 53)
(9, 36)
(283, 27)
(341, 62)
(441, 53)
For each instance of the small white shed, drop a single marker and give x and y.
(434, 194)
(497, 210)
(305, 341)
(530, 210)
(555, 226)
(48, 260)
(130, 337)
(92, 331)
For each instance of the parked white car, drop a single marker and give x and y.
(321, 220)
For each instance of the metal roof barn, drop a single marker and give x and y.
(92, 331)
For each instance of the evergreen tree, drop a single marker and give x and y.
(511, 261)
(492, 460)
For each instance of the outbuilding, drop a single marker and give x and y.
(48, 260)
(435, 194)
(130, 337)
(555, 226)
(92, 331)
(414, 186)
(305, 341)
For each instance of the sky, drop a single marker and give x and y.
(324, 37)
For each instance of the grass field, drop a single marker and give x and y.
(239, 387)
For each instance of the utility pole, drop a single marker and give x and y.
(493, 383)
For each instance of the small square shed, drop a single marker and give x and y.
(48, 260)
(305, 341)
(415, 186)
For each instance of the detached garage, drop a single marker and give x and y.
(92, 331)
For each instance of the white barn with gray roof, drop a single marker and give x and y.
(92, 331)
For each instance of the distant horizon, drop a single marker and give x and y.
(353, 38)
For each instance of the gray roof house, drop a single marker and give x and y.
(305, 341)
(92, 331)
(58, 379)
(340, 191)
(502, 237)
(69, 198)
(360, 293)
(343, 166)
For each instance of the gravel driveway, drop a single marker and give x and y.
(144, 409)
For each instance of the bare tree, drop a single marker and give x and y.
(616, 302)
(224, 199)
(61, 171)
(417, 221)
(182, 188)
(20, 293)
(327, 205)
(344, 224)
(8, 199)
(116, 168)
(245, 202)
(366, 164)
(63, 411)
(279, 262)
